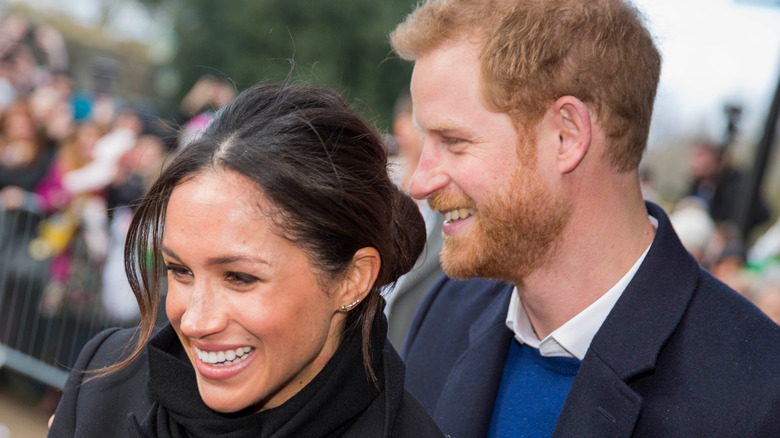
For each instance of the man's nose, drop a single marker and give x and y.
(430, 175)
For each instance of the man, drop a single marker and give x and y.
(411, 287)
(594, 321)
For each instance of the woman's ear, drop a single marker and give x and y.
(360, 278)
(574, 125)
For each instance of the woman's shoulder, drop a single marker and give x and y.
(105, 348)
(94, 406)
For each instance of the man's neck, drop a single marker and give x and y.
(594, 253)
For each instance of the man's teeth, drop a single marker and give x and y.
(458, 213)
(223, 358)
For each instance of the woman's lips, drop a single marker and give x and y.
(222, 364)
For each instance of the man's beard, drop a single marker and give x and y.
(511, 236)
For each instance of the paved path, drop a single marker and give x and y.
(21, 420)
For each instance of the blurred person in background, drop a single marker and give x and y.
(694, 226)
(767, 298)
(721, 185)
(138, 168)
(763, 266)
(278, 228)
(198, 106)
(727, 258)
(24, 157)
(24, 160)
(104, 167)
(20, 42)
(407, 293)
(52, 108)
(68, 211)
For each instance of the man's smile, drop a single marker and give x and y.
(457, 214)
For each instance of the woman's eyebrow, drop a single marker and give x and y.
(222, 260)
(236, 258)
(170, 253)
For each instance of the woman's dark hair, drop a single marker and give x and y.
(324, 171)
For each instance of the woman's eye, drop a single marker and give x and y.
(178, 272)
(241, 279)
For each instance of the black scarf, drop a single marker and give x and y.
(326, 407)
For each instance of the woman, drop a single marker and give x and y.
(278, 229)
(24, 156)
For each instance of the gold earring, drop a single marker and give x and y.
(347, 307)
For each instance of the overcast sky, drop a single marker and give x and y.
(714, 52)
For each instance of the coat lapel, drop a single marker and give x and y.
(601, 402)
(477, 373)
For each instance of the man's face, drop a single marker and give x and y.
(501, 216)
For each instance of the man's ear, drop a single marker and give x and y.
(360, 277)
(573, 122)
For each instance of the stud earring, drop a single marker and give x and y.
(347, 307)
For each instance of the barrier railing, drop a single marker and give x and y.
(45, 317)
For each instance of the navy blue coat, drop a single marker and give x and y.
(680, 355)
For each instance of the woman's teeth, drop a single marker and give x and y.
(457, 214)
(223, 358)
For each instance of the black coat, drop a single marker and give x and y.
(122, 403)
(680, 355)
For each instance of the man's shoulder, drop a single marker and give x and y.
(458, 303)
(732, 323)
(414, 421)
(456, 346)
(721, 358)
(720, 365)
(473, 293)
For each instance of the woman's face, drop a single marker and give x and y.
(19, 126)
(246, 303)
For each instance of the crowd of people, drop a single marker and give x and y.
(707, 220)
(74, 159)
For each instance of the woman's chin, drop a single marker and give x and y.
(223, 405)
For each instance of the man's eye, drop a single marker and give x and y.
(452, 140)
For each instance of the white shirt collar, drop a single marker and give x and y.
(573, 338)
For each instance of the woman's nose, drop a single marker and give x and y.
(203, 314)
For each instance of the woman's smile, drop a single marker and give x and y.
(222, 364)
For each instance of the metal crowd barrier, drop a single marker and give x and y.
(44, 324)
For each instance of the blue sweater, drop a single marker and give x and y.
(531, 395)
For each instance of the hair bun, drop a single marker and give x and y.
(408, 232)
